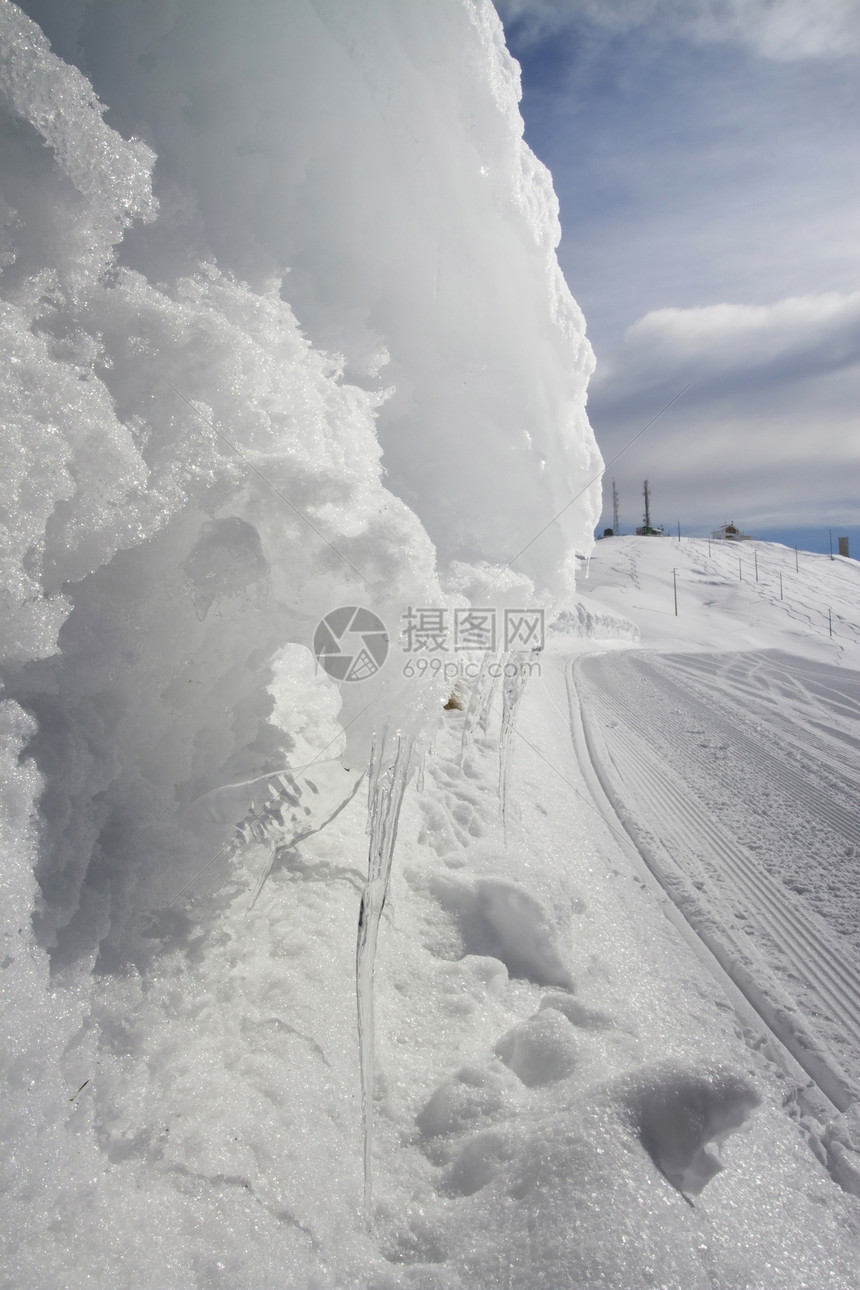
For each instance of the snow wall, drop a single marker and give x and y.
(308, 230)
(281, 321)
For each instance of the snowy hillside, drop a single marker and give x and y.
(355, 970)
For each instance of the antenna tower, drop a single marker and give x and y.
(647, 507)
(614, 509)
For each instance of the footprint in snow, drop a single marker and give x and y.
(677, 1114)
(502, 920)
(461, 1103)
(577, 1013)
(480, 1161)
(541, 1050)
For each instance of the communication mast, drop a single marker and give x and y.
(647, 529)
(614, 509)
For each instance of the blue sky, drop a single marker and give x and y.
(706, 155)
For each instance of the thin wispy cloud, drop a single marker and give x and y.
(778, 29)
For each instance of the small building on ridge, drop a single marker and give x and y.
(730, 533)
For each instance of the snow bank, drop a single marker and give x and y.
(279, 306)
(191, 482)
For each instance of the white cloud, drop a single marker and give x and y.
(779, 29)
(793, 339)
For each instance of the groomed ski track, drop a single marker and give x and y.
(683, 751)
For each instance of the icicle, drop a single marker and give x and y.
(516, 669)
(491, 681)
(371, 786)
(480, 700)
(387, 786)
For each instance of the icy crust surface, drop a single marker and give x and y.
(112, 175)
(189, 486)
(191, 483)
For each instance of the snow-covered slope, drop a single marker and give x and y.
(730, 596)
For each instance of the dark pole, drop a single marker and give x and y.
(830, 621)
(740, 571)
(831, 544)
(679, 530)
(755, 557)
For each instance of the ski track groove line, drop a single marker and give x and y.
(804, 807)
(732, 970)
(798, 738)
(764, 896)
(835, 984)
(784, 692)
(775, 770)
(809, 955)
